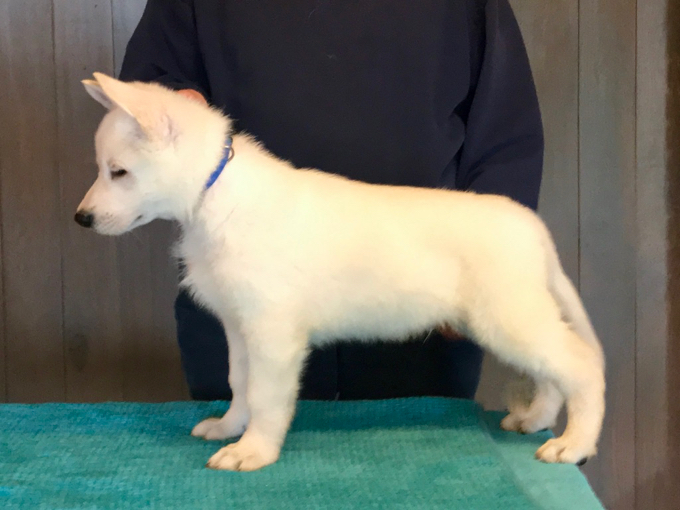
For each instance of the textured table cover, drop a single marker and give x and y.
(424, 453)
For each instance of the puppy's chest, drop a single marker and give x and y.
(208, 269)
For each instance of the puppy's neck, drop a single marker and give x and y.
(249, 188)
(205, 149)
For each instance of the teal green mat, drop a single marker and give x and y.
(425, 453)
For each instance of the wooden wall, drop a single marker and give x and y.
(85, 318)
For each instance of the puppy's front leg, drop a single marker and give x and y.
(275, 362)
(234, 422)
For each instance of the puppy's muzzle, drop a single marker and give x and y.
(84, 219)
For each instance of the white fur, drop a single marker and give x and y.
(289, 258)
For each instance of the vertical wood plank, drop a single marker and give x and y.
(126, 15)
(30, 203)
(654, 477)
(3, 335)
(672, 195)
(84, 44)
(550, 31)
(608, 227)
(148, 281)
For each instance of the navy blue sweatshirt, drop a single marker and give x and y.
(424, 93)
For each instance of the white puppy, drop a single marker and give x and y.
(289, 258)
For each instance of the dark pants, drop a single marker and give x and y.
(347, 371)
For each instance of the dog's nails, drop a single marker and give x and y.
(581, 462)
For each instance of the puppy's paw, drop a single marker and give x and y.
(244, 455)
(219, 428)
(512, 422)
(564, 450)
(526, 423)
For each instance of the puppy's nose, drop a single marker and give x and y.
(84, 219)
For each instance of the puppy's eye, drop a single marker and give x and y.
(115, 174)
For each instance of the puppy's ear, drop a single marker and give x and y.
(123, 95)
(149, 114)
(95, 90)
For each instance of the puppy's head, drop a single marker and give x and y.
(144, 145)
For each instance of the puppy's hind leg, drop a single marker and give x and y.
(234, 422)
(580, 377)
(539, 413)
(536, 341)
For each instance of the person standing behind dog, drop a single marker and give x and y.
(434, 93)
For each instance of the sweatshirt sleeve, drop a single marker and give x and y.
(503, 148)
(164, 48)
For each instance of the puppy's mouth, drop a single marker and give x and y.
(111, 229)
(139, 220)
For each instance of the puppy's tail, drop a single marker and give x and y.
(569, 301)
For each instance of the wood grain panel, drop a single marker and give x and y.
(671, 486)
(654, 477)
(30, 203)
(608, 227)
(550, 31)
(126, 15)
(83, 44)
(3, 344)
(148, 282)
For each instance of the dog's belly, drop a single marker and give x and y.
(368, 332)
(399, 323)
(377, 309)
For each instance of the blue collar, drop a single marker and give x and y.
(228, 155)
